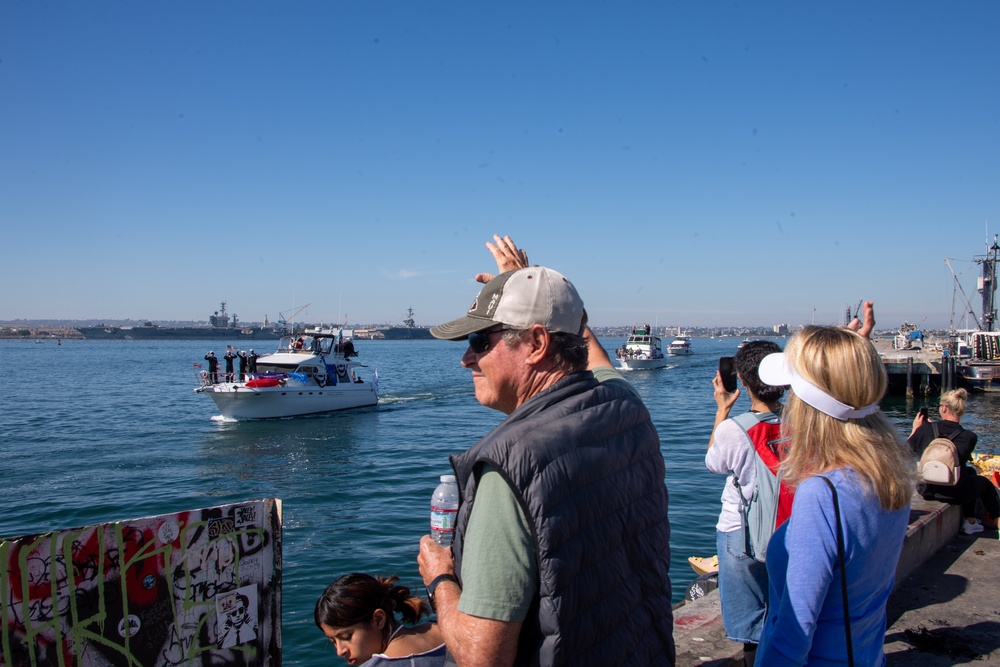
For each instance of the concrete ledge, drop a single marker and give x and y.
(932, 525)
(700, 637)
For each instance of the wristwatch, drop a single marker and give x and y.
(431, 587)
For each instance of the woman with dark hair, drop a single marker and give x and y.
(829, 565)
(357, 613)
(971, 486)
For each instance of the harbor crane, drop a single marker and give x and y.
(284, 319)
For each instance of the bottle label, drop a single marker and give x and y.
(443, 519)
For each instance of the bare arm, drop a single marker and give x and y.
(471, 640)
(918, 421)
(597, 356)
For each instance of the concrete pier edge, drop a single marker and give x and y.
(700, 637)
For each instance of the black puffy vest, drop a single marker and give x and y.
(584, 461)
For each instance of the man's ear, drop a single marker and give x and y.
(540, 341)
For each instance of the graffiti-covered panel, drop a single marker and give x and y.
(193, 588)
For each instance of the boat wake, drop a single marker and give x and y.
(390, 399)
(639, 370)
(222, 419)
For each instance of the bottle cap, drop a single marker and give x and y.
(448, 479)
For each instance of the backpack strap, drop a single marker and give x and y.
(748, 420)
(937, 433)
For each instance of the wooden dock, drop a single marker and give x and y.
(918, 371)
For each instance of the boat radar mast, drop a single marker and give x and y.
(988, 285)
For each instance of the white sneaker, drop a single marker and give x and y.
(972, 528)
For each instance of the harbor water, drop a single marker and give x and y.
(98, 431)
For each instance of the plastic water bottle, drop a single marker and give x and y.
(444, 509)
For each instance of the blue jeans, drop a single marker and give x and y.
(742, 588)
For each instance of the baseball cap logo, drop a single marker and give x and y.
(493, 303)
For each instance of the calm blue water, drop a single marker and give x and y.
(97, 431)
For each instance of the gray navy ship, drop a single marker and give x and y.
(222, 326)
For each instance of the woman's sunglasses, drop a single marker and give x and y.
(479, 342)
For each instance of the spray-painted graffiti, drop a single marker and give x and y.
(194, 588)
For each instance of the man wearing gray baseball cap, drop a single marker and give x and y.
(561, 550)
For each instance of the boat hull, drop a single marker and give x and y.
(982, 376)
(177, 333)
(237, 401)
(679, 352)
(642, 364)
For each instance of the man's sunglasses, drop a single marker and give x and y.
(479, 342)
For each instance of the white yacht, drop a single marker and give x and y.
(311, 372)
(680, 345)
(643, 350)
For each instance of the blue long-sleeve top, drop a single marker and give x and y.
(805, 623)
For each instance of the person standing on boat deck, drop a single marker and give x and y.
(213, 367)
(244, 363)
(229, 356)
(521, 584)
(252, 358)
(742, 578)
(971, 485)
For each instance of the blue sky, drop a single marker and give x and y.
(684, 163)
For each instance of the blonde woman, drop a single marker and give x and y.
(971, 486)
(832, 417)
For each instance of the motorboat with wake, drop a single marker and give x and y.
(643, 350)
(680, 345)
(310, 373)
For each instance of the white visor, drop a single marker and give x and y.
(776, 370)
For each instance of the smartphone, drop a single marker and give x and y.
(727, 369)
(923, 412)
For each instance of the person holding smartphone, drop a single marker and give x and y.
(743, 581)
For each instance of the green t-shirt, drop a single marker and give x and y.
(499, 564)
(499, 569)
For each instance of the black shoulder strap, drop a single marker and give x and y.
(937, 433)
(843, 570)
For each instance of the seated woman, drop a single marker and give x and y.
(356, 613)
(971, 486)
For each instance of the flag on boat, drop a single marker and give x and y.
(375, 381)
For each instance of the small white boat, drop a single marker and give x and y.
(310, 373)
(680, 345)
(642, 351)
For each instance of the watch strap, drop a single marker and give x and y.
(431, 587)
